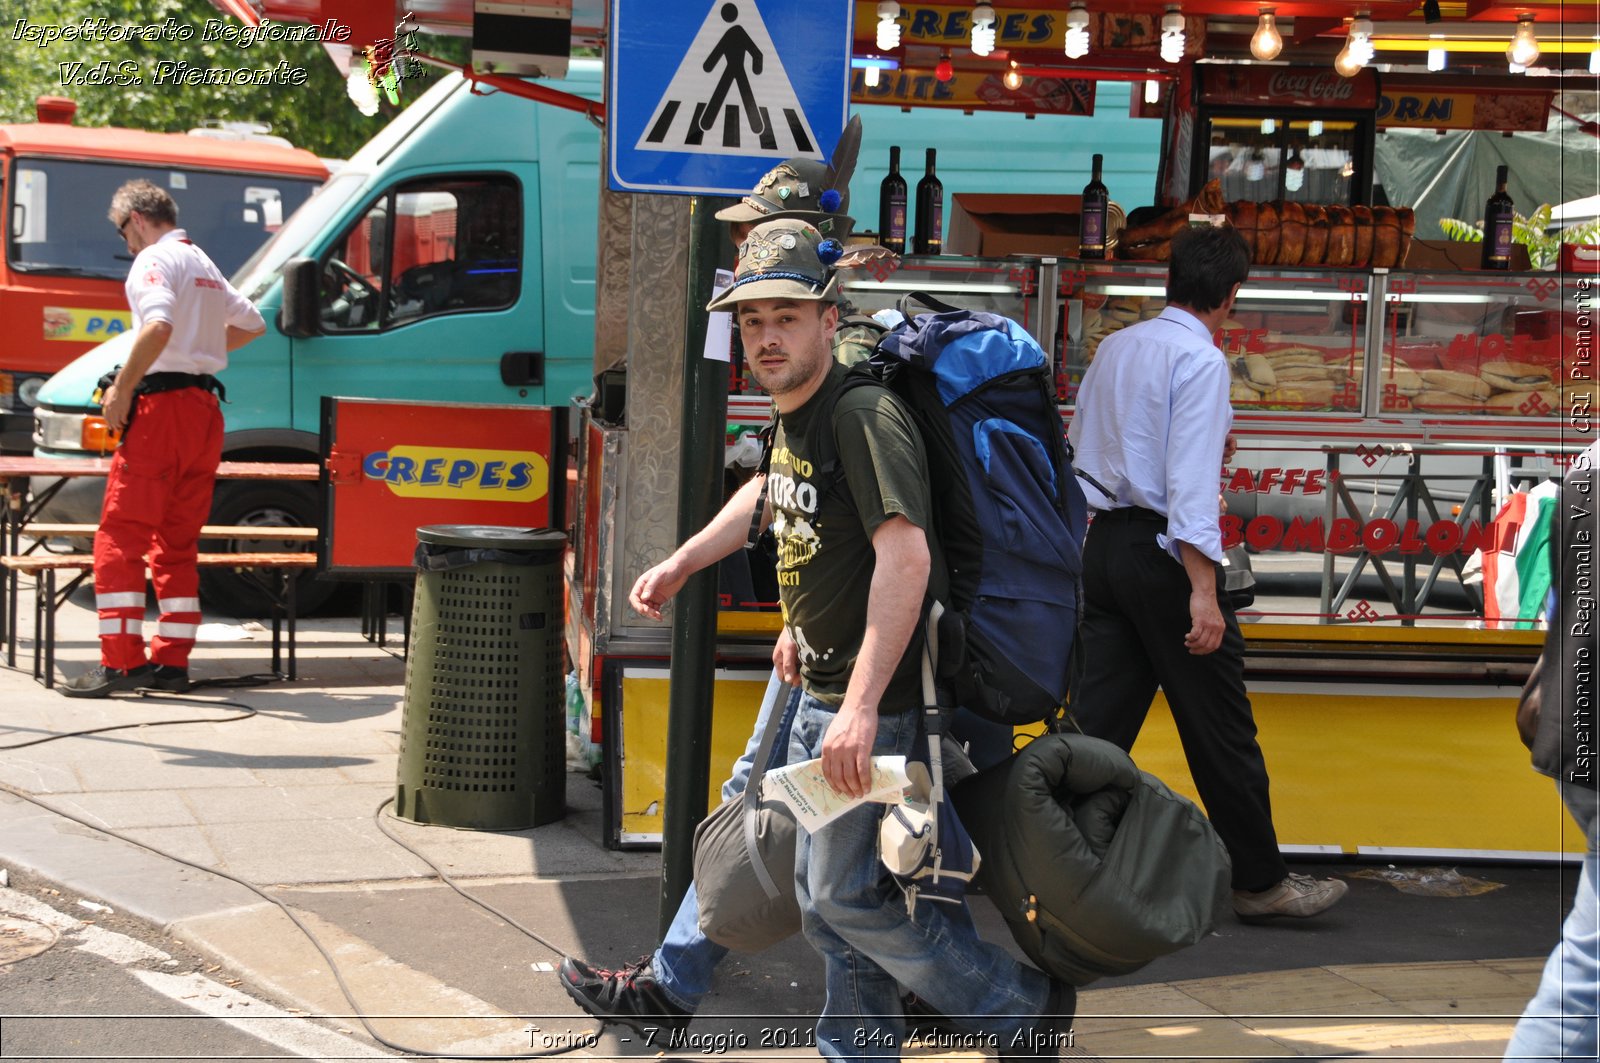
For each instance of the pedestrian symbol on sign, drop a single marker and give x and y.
(732, 49)
(732, 53)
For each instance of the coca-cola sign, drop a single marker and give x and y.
(1323, 87)
(1289, 87)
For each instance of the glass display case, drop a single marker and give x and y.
(1505, 352)
(1488, 349)
(1296, 341)
(1386, 424)
(1383, 419)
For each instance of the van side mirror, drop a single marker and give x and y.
(302, 295)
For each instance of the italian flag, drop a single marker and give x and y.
(1516, 575)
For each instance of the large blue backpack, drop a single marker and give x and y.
(1007, 507)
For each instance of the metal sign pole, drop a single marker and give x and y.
(694, 615)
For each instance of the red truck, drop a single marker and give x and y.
(62, 272)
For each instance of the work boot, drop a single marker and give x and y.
(167, 677)
(1050, 1032)
(630, 996)
(1298, 896)
(102, 681)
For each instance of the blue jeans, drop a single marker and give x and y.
(686, 958)
(855, 917)
(1559, 1022)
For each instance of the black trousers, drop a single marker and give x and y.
(1135, 615)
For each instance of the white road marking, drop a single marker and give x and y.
(294, 1034)
(291, 1033)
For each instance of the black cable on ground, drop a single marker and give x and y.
(333, 967)
(163, 695)
(377, 817)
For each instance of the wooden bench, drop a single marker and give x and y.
(39, 530)
(43, 567)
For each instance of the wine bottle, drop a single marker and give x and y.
(930, 213)
(1092, 217)
(892, 206)
(1497, 222)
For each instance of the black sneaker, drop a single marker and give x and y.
(1050, 1033)
(925, 1018)
(630, 996)
(101, 681)
(168, 678)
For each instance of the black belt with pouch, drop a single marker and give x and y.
(154, 383)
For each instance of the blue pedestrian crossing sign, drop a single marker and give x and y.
(706, 96)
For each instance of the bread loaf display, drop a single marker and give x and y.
(1286, 233)
(1291, 233)
(1435, 400)
(1514, 376)
(1362, 255)
(1242, 216)
(1463, 385)
(1341, 237)
(1408, 226)
(1316, 234)
(1268, 234)
(1117, 314)
(1386, 233)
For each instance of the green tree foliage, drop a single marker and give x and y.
(1532, 232)
(316, 115)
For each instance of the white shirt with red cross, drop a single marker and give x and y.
(174, 281)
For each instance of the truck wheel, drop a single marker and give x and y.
(265, 506)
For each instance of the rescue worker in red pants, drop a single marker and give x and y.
(186, 318)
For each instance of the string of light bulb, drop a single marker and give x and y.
(1358, 49)
(1266, 43)
(1172, 38)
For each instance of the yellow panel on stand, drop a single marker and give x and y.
(736, 698)
(1369, 767)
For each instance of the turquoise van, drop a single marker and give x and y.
(453, 259)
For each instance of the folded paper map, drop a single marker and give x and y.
(814, 802)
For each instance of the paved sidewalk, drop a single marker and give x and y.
(286, 800)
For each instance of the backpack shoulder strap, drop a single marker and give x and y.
(752, 537)
(826, 444)
(909, 301)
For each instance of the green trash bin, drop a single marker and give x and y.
(483, 737)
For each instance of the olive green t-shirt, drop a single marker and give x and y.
(824, 534)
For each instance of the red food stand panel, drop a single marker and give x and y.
(396, 466)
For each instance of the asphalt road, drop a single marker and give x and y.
(108, 987)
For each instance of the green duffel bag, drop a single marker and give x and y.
(744, 863)
(1097, 867)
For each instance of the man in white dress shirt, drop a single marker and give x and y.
(1151, 429)
(186, 318)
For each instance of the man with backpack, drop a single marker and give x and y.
(855, 565)
(1150, 431)
(665, 987)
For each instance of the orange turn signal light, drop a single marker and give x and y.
(98, 436)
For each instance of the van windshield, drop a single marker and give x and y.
(58, 221)
(256, 275)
